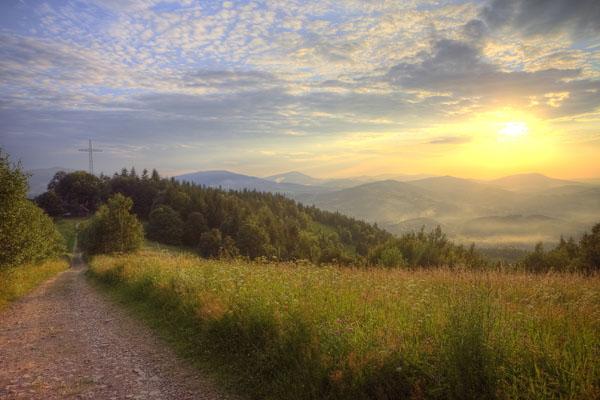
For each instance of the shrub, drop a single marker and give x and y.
(27, 234)
(113, 228)
(165, 225)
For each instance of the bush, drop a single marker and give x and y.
(27, 234)
(165, 225)
(113, 228)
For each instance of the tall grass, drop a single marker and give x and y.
(17, 281)
(285, 331)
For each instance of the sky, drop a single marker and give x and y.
(330, 88)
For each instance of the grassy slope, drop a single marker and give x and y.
(18, 281)
(298, 332)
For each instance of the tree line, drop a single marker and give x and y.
(567, 255)
(219, 223)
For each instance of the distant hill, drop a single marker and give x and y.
(415, 225)
(469, 210)
(39, 179)
(233, 181)
(385, 202)
(303, 179)
(529, 182)
(340, 183)
(295, 177)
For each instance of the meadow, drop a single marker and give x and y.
(296, 331)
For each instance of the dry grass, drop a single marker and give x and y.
(298, 331)
(18, 281)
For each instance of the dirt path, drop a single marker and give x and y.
(67, 341)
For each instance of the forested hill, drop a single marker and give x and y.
(255, 224)
(216, 221)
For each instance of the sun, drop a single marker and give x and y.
(513, 129)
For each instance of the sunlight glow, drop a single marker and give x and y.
(514, 129)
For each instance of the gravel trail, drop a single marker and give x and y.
(66, 340)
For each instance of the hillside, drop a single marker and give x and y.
(457, 204)
(232, 181)
(384, 202)
(452, 202)
(529, 182)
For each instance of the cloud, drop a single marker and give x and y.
(538, 17)
(450, 140)
(460, 68)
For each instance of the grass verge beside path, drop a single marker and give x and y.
(18, 281)
(284, 331)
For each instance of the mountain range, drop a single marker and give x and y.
(516, 210)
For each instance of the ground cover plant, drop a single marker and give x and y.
(294, 331)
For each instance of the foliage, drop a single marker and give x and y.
(27, 234)
(16, 282)
(113, 228)
(165, 225)
(194, 227)
(420, 249)
(51, 203)
(80, 192)
(255, 224)
(68, 229)
(292, 331)
(567, 255)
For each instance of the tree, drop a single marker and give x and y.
(537, 261)
(391, 256)
(165, 225)
(252, 239)
(51, 203)
(27, 234)
(210, 243)
(194, 227)
(113, 228)
(80, 191)
(590, 250)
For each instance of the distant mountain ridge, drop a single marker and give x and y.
(521, 207)
(530, 182)
(234, 181)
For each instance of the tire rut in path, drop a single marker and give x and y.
(65, 340)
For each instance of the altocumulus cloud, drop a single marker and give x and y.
(225, 77)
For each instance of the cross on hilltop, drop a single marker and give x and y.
(91, 151)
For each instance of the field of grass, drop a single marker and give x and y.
(18, 281)
(285, 331)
